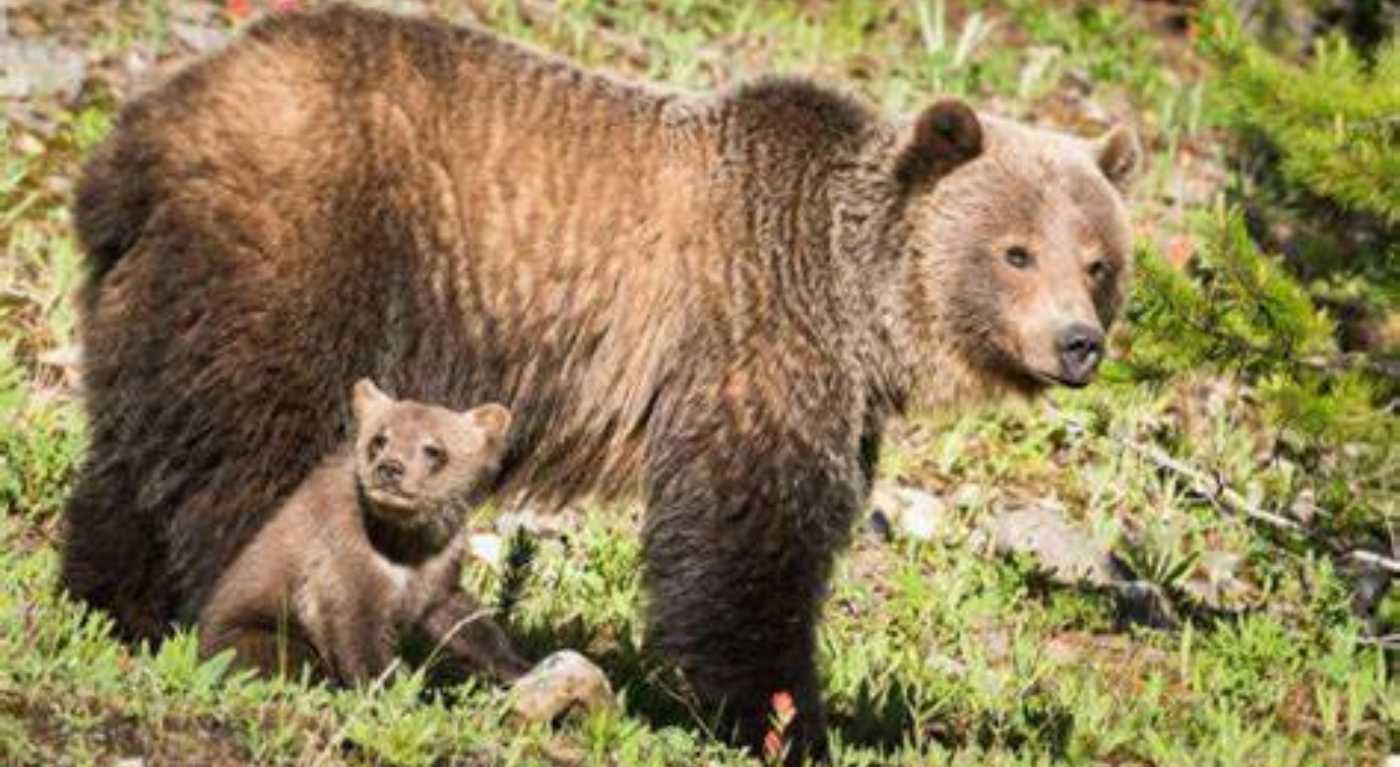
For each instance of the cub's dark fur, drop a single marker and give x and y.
(713, 300)
(367, 550)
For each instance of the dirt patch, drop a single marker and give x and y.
(171, 740)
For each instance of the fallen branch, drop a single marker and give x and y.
(1364, 557)
(1388, 368)
(1224, 496)
(1213, 488)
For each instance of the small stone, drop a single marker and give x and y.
(557, 683)
(32, 68)
(1070, 554)
(487, 548)
(199, 37)
(911, 513)
(130, 761)
(920, 521)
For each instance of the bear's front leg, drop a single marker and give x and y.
(742, 527)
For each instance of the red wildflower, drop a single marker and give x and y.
(784, 708)
(285, 5)
(238, 8)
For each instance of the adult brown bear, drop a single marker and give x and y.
(715, 300)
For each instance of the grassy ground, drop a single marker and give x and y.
(934, 652)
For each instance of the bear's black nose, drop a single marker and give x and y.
(1080, 347)
(388, 472)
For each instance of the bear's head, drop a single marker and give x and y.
(1018, 249)
(415, 462)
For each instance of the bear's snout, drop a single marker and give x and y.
(1080, 348)
(388, 473)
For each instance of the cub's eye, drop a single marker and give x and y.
(1018, 257)
(1098, 271)
(435, 455)
(376, 444)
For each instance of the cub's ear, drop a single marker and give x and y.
(942, 137)
(366, 400)
(493, 418)
(1119, 156)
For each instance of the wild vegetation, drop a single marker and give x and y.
(1234, 477)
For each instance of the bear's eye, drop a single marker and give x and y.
(376, 444)
(435, 455)
(1018, 257)
(1098, 271)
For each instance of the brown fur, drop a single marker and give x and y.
(713, 299)
(366, 551)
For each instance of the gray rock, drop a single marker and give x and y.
(199, 38)
(559, 682)
(1069, 553)
(32, 68)
(909, 512)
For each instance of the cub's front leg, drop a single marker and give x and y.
(352, 620)
(471, 638)
(361, 645)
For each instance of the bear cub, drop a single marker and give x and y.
(366, 554)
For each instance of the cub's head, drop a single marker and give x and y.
(413, 459)
(1018, 246)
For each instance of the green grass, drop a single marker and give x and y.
(933, 653)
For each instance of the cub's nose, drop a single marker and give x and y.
(388, 472)
(1080, 347)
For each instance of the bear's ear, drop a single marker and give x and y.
(942, 137)
(493, 418)
(1119, 156)
(366, 400)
